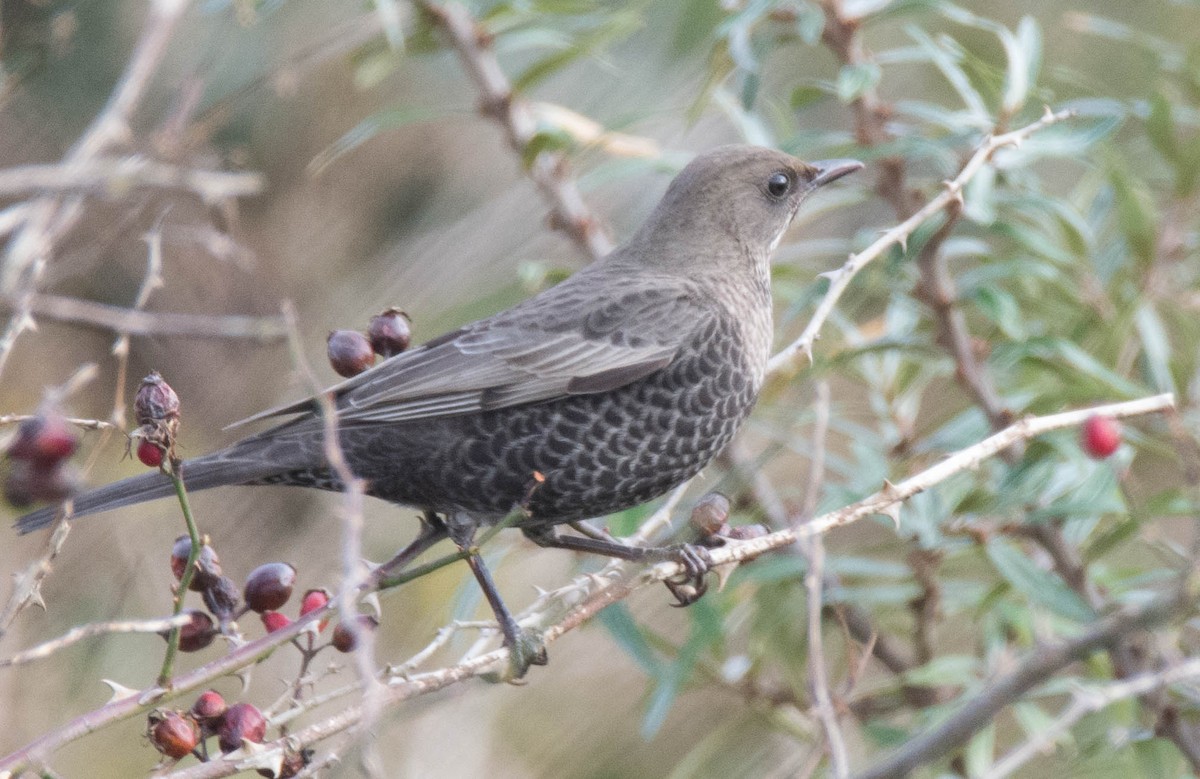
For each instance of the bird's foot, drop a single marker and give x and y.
(525, 648)
(689, 585)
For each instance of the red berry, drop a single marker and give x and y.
(345, 638)
(349, 352)
(197, 633)
(209, 708)
(242, 722)
(313, 600)
(172, 733)
(44, 439)
(273, 620)
(150, 453)
(208, 566)
(155, 402)
(269, 586)
(1100, 436)
(389, 332)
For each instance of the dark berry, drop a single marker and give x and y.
(242, 722)
(711, 514)
(349, 352)
(208, 566)
(33, 482)
(150, 453)
(172, 733)
(155, 403)
(269, 586)
(45, 439)
(345, 638)
(389, 332)
(1100, 436)
(209, 708)
(273, 620)
(221, 597)
(197, 633)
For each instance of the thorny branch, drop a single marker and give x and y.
(567, 608)
(840, 279)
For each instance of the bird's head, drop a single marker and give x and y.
(732, 200)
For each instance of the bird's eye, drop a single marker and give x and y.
(778, 185)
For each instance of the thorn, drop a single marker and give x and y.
(892, 512)
(120, 691)
(903, 241)
(830, 274)
(371, 599)
(723, 573)
(807, 350)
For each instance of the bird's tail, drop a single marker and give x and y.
(240, 464)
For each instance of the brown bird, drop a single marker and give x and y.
(598, 394)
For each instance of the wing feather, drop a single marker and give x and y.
(515, 357)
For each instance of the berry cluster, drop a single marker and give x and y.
(38, 468)
(177, 734)
(267, 589)
(352, 352)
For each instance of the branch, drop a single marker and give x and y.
(952, 192)
(147, 323)
(1089, 700)
(120, 174)
(1040, 664)
(547, 169)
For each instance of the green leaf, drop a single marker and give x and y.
(853, 80)
(1003, 309)
(617, 26)
(947, 58)
(1040, 586)
(368, 129)
(981, 751)
(625, 630)
(552, 139)
(805, 95)
(1156, 348)
(948, 669)
(1160, 128)
(1136, 213)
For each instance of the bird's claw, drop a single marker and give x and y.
(689, 586)
(527, 648)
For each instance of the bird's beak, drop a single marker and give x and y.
(832, 170)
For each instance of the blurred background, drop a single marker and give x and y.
(386, 186)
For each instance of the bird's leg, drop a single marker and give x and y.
(433, 529)
(687, 588)
(524, 647)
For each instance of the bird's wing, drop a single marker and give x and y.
(546, 348)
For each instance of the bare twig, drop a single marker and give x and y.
(77, 634)
(1088, 700)
(840, 279)
(1038, 666)
(149, 323)
(548, 169)
(818, 670)
(354, 570)
(119, 175)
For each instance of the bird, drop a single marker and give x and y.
(600, 393)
